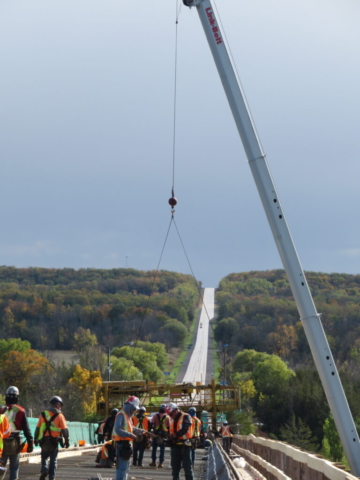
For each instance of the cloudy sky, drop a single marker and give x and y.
(86, 120)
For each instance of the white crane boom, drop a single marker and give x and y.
(310, 318)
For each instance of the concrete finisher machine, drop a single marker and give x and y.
(213, 398)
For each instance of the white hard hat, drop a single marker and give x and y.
(12, 391)
(170, 407)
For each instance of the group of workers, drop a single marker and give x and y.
(51, 430)
(131, 432)
(127, 433)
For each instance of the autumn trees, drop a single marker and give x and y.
(271, 359)
(47, 306)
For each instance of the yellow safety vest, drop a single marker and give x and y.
(196, 426)
(53, 427)
(11, 415)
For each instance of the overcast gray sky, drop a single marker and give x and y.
(86, 120)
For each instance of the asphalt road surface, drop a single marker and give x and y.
(196, 371)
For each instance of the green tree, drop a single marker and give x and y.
(247, 360)
(123, 369)
(331, 445)
(226, 329)
(141, 359)
(83, 339)
(158, 349)
(272, 375)
(13, 344)
(299, 434)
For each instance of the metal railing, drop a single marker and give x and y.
(218, 468)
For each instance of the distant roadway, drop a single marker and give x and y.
(196, 370)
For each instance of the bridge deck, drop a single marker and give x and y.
(83, 468)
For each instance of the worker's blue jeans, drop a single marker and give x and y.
(181, 458)
(162, 451)
(49, 466)
(122, 469)
(14, 465)
(193, 456)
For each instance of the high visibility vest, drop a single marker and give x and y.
(179, 424)
(54, 429)
(128, 427)
(225, 431)
(11, 416)
(5, 430)
(105, 451)
(196, 426)
(162, 426)
(142, 423)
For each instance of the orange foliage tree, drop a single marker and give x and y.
(19, 368)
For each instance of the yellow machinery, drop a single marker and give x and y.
(213, 398)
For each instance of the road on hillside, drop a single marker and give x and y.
(196, 371)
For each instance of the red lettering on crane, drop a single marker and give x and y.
(214, 27)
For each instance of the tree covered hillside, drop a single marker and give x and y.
(256, 310)
(263, 349)
(47, 306)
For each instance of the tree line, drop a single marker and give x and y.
(47, 306)
(267, 353)
(135, 316)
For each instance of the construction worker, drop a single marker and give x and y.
(18, 422)
(5, 428)
(106, 456)
(100, 431)
(109, 424)
(140, 421)
(124, 433)
(226, 433)
(160, 425)
(195, 441)
(51, 430)
(181, 432)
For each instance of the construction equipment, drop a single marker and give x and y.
(310, 318)
(213, 398)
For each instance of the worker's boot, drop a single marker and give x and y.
(160, 465)
(43, 476)
(152, 464)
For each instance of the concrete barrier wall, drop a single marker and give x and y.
(295, 463)
(77, 431)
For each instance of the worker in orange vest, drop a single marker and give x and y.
(140, 421)
(124, 433)
(100, 431)
(50, 429)
(181, 433)
(5, 428)
(195, 441)
(106, 456)
(160, 425)
(226, 433)
(109, 424)
(19, 423)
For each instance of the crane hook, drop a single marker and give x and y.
(172, 202)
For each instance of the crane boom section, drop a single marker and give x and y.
(310, 318)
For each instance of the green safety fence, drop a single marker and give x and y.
(77, 431)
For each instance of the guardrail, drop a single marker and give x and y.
(279, 461)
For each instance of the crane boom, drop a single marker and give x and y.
(257, 160)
